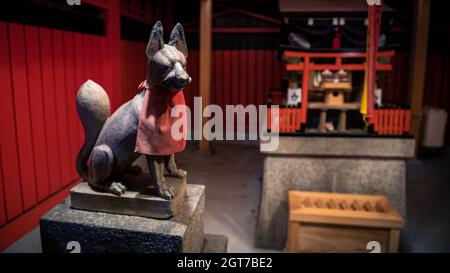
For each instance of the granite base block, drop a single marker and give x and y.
(99, 232)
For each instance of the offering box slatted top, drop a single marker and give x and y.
(330, 214)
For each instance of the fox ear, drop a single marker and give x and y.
(178, 40)
(156, 41)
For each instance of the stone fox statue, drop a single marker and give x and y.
(140, 126)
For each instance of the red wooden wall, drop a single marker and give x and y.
(437, 82)
(41, 71)
(134, 67)
(238, 76)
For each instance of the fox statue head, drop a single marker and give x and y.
(167, 62)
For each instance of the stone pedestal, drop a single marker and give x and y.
(361, 165)
(99, 232)
(133, 202)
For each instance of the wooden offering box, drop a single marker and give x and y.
(333, 222)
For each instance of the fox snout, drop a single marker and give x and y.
(177, 78)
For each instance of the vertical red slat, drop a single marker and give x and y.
(37, 105)
(93, 41)
(2, 194)
(144, 60)
(397, 121)
(401, 121)
(86, 42)
(251, 98)
(221, 80)
(293, 120)
(96, 47)
(89, 56)
(126, 53)
(133, 68)
(9, 156)
(71, 90)
(234, 77)
(381, 121)
(268, 76)
(282, 120)
(260, 77)
(279, 120)
(196, 75)
(375, 120)
(80, 77)
(22, 113)
(50, 109)
(213, 78)
(277, 69)
(188, 90)
(134, 79)
(294, 123)
(287, 119)
(387, 127)
(243, 61)
(103, 58)
(378, 128)
(227, 76)
(192, 71)
(397, 128)
(61, 106)
(218, 84)
(142, 63)
(407, 121)
(125, 70)
(391, 122)
(378, 123)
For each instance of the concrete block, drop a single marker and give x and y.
(99, 232)
(329, 164)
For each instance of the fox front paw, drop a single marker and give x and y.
(117, 188)
(166, 192)
(178, 173)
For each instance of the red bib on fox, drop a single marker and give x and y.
(155, 122)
